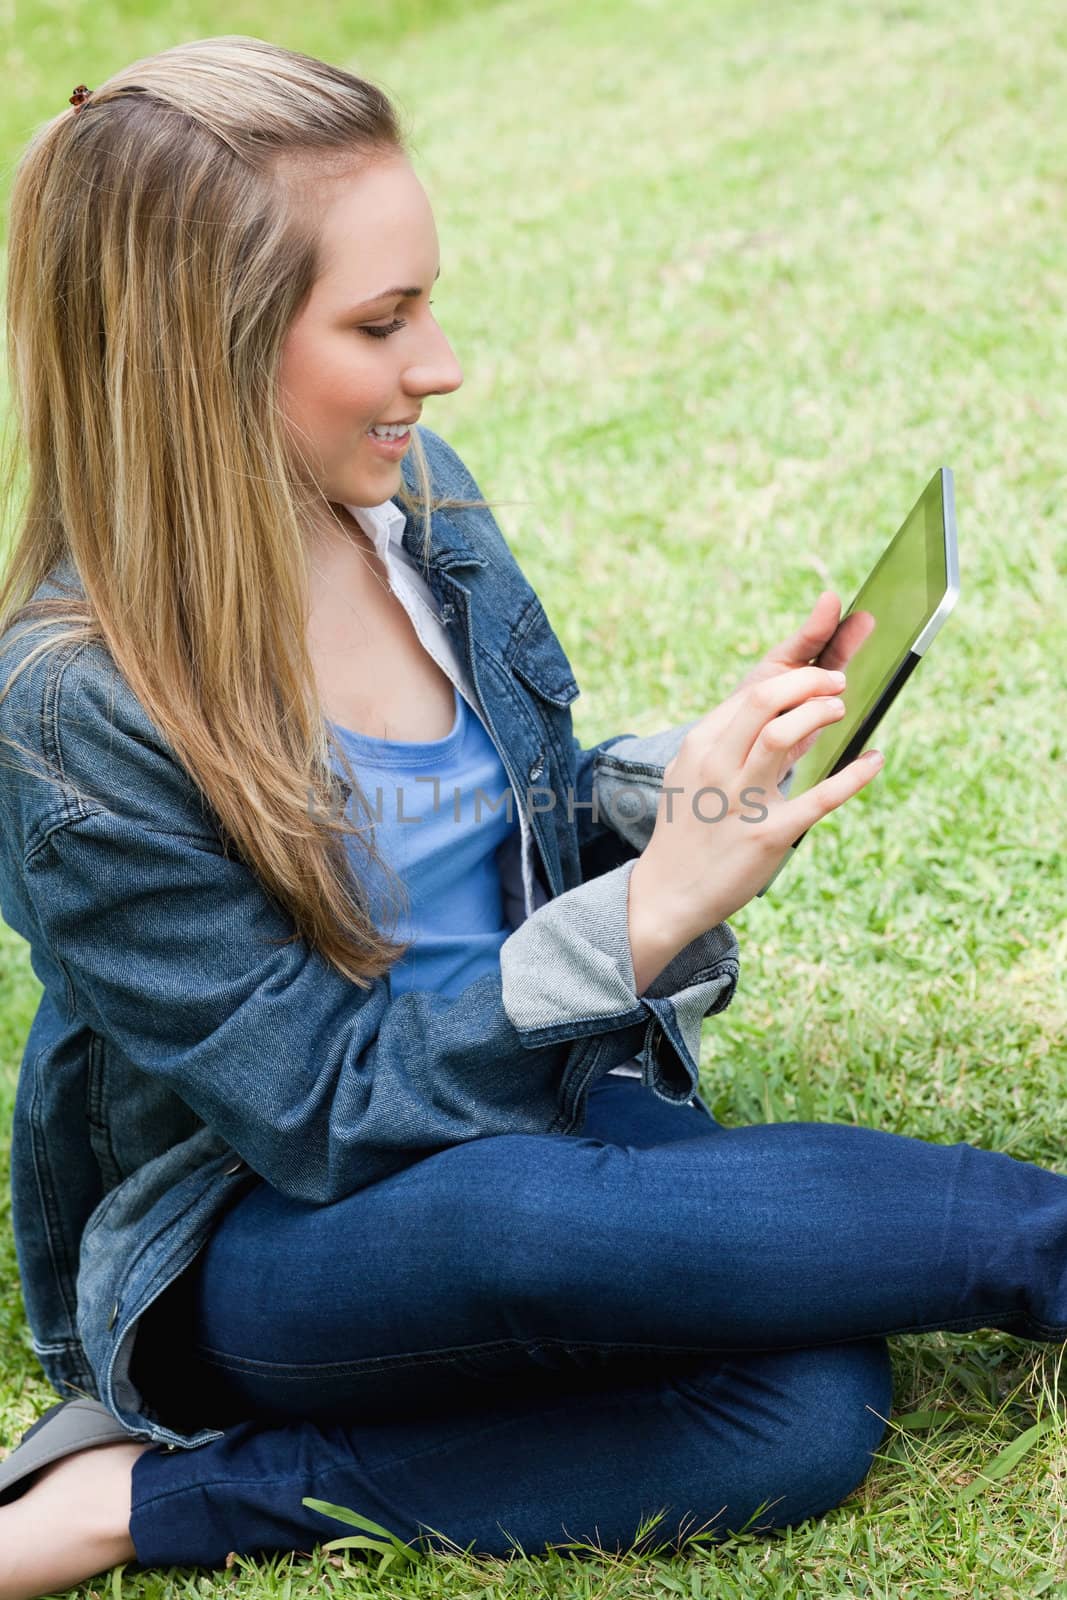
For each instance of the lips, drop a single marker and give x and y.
(392, 448)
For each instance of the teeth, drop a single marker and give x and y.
(394, 432)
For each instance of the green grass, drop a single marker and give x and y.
(728, 281)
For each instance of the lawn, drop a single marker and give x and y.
(728, 282)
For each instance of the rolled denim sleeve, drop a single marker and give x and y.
(591, 820)
(626, 776)
(570, 964)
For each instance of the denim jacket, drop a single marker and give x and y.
(182, 1051)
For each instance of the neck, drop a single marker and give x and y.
(342, 556)
(331, 526)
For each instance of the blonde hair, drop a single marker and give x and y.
(158, 253)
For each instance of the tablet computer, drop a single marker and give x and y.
(898, 611)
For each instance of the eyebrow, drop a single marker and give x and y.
(389, 294)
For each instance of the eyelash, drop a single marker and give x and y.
(390, 327)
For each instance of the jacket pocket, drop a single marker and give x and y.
(536, 657)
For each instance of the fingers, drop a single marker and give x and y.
(780, 734)
(760, 703)
(794, 756)
(814, 804)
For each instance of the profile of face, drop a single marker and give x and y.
(365, 347)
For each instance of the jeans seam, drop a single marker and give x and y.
(373, 1366)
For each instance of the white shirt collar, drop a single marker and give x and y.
(384, 524)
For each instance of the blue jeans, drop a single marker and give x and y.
(534, 1339)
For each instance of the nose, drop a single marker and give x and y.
(440, 373)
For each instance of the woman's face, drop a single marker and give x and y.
(360, 351)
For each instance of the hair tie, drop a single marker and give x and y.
(80, 96)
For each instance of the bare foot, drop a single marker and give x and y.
(72, 1523)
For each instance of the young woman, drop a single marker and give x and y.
(433, 1226)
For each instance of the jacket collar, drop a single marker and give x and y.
(392, 530)
(64, 573)
(449, 545)
(384, 524)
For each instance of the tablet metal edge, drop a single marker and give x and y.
(952, 570)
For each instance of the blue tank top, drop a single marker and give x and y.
(440, 836)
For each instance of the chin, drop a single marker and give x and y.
(365, 493)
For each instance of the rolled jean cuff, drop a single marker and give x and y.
(569, 966)
(670, 1057)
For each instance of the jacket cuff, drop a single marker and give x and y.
(568, 970)
(697, 983)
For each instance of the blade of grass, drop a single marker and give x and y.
(1007, 1458)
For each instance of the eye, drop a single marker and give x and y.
(383, 330)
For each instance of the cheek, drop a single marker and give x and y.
(327, 384)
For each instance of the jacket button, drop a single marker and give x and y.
(536, 770)
(114, 1317)
(227, 1171)
(448, 611)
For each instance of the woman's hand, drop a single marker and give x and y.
(798, 651)
(804, 646)
(696, 870)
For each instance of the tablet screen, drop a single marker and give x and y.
(902, 595)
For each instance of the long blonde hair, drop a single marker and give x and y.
(157, 256)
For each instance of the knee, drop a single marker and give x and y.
(796, 1430)
(841, 1401)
